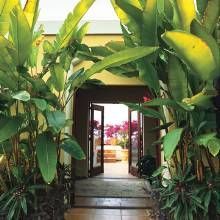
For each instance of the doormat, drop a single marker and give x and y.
(112, 188)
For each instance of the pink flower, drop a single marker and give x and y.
(146, 99)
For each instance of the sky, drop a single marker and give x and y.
(58, 9)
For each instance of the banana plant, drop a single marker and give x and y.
(180, 75)
(33, 102)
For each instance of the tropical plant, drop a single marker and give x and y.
(33, 99)
(180, 77)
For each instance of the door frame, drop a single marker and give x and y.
(93, 171)
(100, 94)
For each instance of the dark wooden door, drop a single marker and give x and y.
(135, 140)
(96, 140)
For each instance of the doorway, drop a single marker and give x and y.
(115, 143)
(110, 95)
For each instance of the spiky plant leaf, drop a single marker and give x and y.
(71, 23)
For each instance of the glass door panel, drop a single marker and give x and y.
(135, 141)
(96, 140)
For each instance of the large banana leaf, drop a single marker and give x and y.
(120, 58)
(131, 10)
(211, 15)
(177, 81)
(194, 51)
(6, 61)
(58, 76)
(47, 156)
(70, 24)
(9, 126)
(31, 11)
(128, 21)
(21, 35)
(200, 31)
(201, 6)
(72, 147)
(171, 141)
(184, 13)
(6, 7)
(148, 75)
(150, 20)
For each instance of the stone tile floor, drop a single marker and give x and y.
(121, 203)
(122, 188)
(108, 214)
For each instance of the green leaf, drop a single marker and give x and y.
(128, 21)
(194, 52)
(9, 126)
(177, 81)
(214, 146)
(47, 156)
(201, 5)
(131, 10)
(185, 13)
(71, 22)
(6, 60)
(161, 127)
(150, 21)
(200, 31)
(58, 76)
(40, 103)
(56, 120)
(170, 142)
(207, 200)
(82, 32)
(47, 46)
(6, 7)
(21, 35)
(22, 96)
(158, 171)
(72, 147)
(31, 12)
(204, 139)
(116, 45)
(101, 51)
(117, 59)
(211, 15)
(148, 112)
(148, 75)
(5, 147)
(24, 204)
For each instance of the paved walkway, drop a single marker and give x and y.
(108, 214)
(114, 195)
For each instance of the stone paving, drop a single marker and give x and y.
(112, 196)
(108, 214)
(117, 188)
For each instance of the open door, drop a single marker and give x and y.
(135, 140)
(96, 140)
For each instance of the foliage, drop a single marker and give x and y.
(146, 166)
(180, 78)
(33, 98)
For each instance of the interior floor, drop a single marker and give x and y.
(117, 169)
